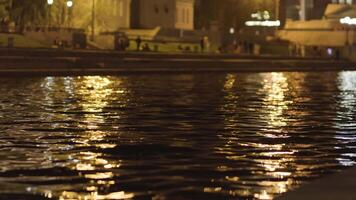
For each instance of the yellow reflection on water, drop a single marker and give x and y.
(272, 158)
(95, 196)
(275, 87)
(95, 91)
(100, 175)
(230, 81)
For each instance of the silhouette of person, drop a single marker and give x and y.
(138, 43)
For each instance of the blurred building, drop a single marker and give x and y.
(114, 15)
(331, 33)
(310, 9)
(174, 14)
(108, 15)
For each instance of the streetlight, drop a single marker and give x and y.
(69, 14)
(50, 3)
(92, 21)
(69, 3)
(232, 30)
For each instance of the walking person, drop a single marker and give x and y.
(202, 44)
(138, 43)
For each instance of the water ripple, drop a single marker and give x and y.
(206, 136)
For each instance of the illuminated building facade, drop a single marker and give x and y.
(175, 14)
(310, 9)
(108, 15)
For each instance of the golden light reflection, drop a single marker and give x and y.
(95, 196)
(94, 94)
(263, 195)
(95, 91)
(99, 175)
(212, 190)
(275, 87)
(230, 81)
(274, 157)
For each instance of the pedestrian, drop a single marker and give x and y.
(138, 43)
(202, 44)
(117, 44)
(123, 44)
(337, 54)
(146, 47)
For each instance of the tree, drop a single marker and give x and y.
(27, 12)
(3, 7)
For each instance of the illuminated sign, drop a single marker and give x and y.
(348, 21)
(263, 23)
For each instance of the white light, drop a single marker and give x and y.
(69, 3)
(256, 16)
(232, 30)
(330, 51)
(49, 2)
(348, 21)
(263, 23)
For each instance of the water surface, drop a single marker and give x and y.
(184, 136)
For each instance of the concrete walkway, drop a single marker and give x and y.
(48, 62)
(340, 186)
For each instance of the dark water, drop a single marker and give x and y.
(202, 136)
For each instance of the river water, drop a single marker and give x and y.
(182, 136)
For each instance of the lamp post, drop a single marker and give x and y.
(92, 21)
(50, 3)
(69, 3)
(277, 12)
(69, 15)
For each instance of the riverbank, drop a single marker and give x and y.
(334, 187)
(72, 62)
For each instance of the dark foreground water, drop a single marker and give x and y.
(202, 136)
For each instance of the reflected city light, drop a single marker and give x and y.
(230, 81)
(272, 158)
(255, 135)
(275, 87)
(95, 94)
(346, 114)
(95, 196)
(95, 90)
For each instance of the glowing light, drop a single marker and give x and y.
(275, 87)
(232, 30)
(49, 2)
(348, 21)
(266, 23)
(263, 195)
(69, 4)
(230, 81)
(330, 51)
(100, 176)
(212, 190)
(66, 195)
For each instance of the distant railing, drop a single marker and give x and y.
(52, 29)
(16, 29)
